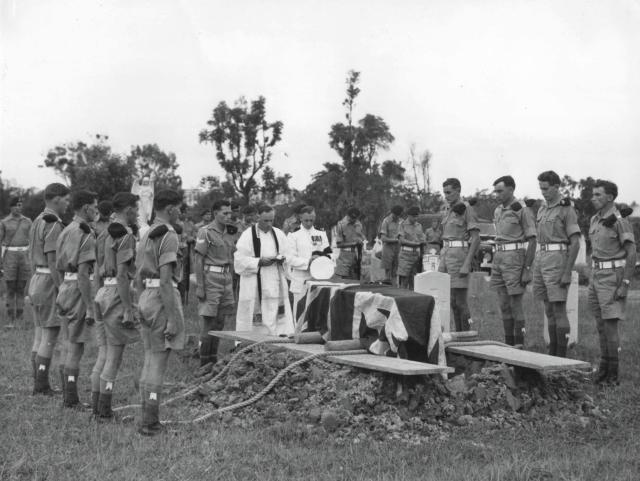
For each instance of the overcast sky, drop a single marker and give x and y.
(489, 87)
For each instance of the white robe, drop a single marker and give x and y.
(272, 281)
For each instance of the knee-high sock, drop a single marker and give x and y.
(508, 331)
(519, 331)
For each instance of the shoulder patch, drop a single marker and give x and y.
(516, 206)
(84, 227)
(530, 202)
(158, 231)
(565, 202)
(49, 218)
(473, 201)
(610, 220)
(116, 230)
(625, 211)
(231, 229)
(459, 208)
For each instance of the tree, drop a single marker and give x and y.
(84, 166)
(274, 185)
(244, 141)
(162, 166)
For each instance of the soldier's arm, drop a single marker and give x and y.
(51, 264)
(168, 298)
(84, 286)
(529, 228)
(474, 243)
(574, 248)
(124, 291)
(384, 233)
(340, 242)
(198, 270)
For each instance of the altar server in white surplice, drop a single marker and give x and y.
(259, 260)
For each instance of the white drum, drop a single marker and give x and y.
(322, 268)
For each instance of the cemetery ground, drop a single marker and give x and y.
(39, 440)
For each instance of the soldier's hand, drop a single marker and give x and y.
(526, 276)
(621, 292)
(200, 294)
(128, 319)
(565, 280)
(170, 331)
(464, 271)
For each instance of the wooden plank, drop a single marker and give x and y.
(365, 361)
(518, 357)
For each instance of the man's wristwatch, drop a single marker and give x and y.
(626, 282)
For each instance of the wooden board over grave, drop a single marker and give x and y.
(368, 361)
(518, 357)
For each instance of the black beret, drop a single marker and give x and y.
(516, 206)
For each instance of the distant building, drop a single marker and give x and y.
(191, 196)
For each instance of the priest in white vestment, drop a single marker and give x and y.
(259, 261)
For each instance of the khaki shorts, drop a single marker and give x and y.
(547, 272)
(153, 321)
(390, 256)
(506, 271)
(408, 262)
(16, 266)
(346, 264)
(42, 292)
(111, 314)
(73, 313)
(218, 291)
(451, 260)
(602, 289)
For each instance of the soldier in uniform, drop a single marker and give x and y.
(14, 262)
(307, 244)
(515, 250)
(412, 239)
(349, 239)
(75, 259)
(214, 277)
(292, 223)
(460, 236)
(558, 246)
(613, 256)
(105, 209)
(205, 220)
(390, 246)
(115, 299)
(158, 270)
(43, 287)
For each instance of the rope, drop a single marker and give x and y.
(269, 386)
(210, 378)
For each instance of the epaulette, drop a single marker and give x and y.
(49, 218)
(459, 208)
(231, 229)
(84, 227)
(158, 231)
(625, 210)
(565, 202)
(529, 202)
(610, 220)
(178, 228)
(473, 201)
(327, 250)
(116, 230)
(516, 206)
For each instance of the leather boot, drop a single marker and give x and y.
(612, 373)
(105, 414)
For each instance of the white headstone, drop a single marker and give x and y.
(430, 262)
(438, 285)
(572, 312)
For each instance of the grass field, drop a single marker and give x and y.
(41, 441)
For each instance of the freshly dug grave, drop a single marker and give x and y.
(355, 404)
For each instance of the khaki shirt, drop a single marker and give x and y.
(74, 247)
(556, 223)
(43, 237)
(118, 251)
(411, 232)
(458, 227)
(390, 227)
(100, 248)
(608, 242)
(215, 245)
(151, 254)
(349, 233)
(100, 227)
(14, 231)
(513, 226)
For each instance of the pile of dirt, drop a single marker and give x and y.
(357, 404)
